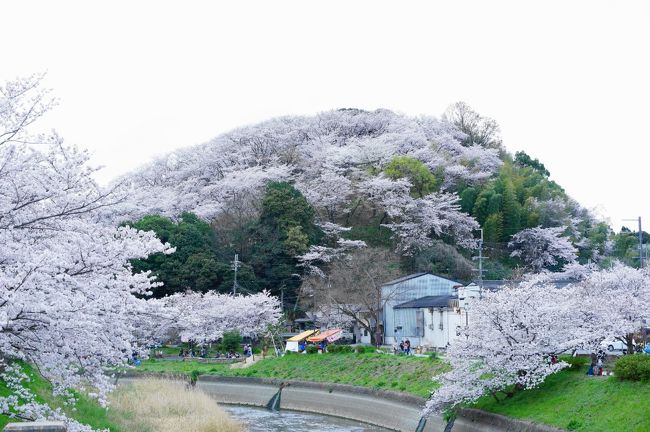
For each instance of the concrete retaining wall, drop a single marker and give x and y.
(392, 410)
(472, 420)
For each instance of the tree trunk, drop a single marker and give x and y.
(630, 345)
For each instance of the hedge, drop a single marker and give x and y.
(635, 367)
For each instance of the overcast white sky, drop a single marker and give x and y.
(568, 81)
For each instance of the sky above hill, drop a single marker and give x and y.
(569, 82)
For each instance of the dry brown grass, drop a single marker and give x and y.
(156, 405)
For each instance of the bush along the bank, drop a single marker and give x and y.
(577, 363)
(339, 349)
(633, 367)
(348, 349)
(363, 349)
(311, 349)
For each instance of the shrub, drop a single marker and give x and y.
(434, 356)
(635, 367)
(339, 349)
(363, 349)
(194, 377)
(574, 425)
(311, 349)
(578, 362)
(231, 340)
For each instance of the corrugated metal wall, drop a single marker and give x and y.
(415, 288)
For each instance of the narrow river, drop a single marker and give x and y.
(262, 420)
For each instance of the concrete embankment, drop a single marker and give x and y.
(392, 410)
(396, 411)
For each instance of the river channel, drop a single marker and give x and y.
(262, 420)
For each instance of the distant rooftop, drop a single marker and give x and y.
(416, 275)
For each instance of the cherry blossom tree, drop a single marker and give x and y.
(67, 287)
(541, 247)
(416, 221)
(508, 344)
(615, 303)
(514, 332)
(205, 317)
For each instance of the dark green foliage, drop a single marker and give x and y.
(467, 199)
(231, 341)
(194, 265)
(284, 207)
(493, 228)
(364, 349)
(339, 349)
(444, 260)
(285, 229)
(626, 245)
(374, 235)
(578, 362)
(522, 159)
(510, 208)
(635, 367)
(311, 349)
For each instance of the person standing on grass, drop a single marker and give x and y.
(407, 346)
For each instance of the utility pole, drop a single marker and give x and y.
(480, 259)
(235, 266)
(480, 266)
(640, 244)
(282, 298)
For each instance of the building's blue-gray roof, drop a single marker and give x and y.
(417, 275)
(427, 302)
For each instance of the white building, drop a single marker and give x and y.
(426, 309)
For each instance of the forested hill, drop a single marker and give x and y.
(290, 193)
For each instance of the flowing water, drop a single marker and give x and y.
(262, 420)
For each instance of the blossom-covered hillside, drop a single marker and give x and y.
(335, 159)
(420, 185)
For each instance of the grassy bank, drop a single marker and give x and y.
(86, 410)
(399, 373)
(574, 401)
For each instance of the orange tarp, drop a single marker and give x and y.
(329, 335)
(303, 335)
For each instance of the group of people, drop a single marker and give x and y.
(203, 353)
(597, 360)
(404, 347)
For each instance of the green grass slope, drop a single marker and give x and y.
(574, 401)
(398, 373)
